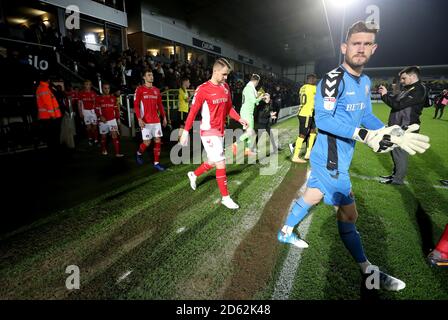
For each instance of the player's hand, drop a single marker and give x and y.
(164, 123)
(183, 141)
(409, 141)
(103, 119)
(382, 90)
(141, 123)
(378, 140)
(244, 123)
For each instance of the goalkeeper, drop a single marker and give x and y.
(343, 114)
(250, 99)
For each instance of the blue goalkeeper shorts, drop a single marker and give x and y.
(335, 187)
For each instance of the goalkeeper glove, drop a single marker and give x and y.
(409, 141)
(378, 140)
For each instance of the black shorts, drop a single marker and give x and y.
(178, 118)
(306, 124)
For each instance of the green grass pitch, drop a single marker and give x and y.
(155, 238)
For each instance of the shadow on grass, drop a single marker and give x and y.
(344, 280)
(427, 230)
(420, 217)
(147, 256)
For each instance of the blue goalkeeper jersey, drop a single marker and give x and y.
(342, 103)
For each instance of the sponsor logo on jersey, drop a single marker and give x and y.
(355, 106)
(221, 100)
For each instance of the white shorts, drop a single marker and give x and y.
(108, 126)
(152, 130)
(213, 146)
(89, 117)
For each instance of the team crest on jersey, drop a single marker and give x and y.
(329, 103)
(210, 143)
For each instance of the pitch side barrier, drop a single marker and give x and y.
(170, 102)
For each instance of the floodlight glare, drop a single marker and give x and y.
(341, 3)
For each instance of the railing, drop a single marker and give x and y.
(19, 128)
(77, 70)
(170, 99)
(170, 102)
(28, 43)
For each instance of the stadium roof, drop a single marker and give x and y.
(286, 31)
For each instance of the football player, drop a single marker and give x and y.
(147, 102)
(439, 256)
(109, 115)
(344, 115)
(307, 127)
(214, 100)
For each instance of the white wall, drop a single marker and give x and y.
(94, 9)
(178, 31)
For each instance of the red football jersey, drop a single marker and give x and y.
(215, 103)
(146, 103)
(72, 95)
(87, 99)
(107, 107)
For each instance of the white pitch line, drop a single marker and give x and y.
(180, 230)
(379, 179)
(285, 281)
(124, 276)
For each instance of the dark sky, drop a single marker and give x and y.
(411, 31)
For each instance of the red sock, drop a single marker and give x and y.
(203, 168)
(142, 148)
(221, 178)
(89, 134)
(95, 133)
(442, 246)
(103, 143)
(156, 152)
(116, 143)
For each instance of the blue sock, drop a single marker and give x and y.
(297, 213)
(352, 241)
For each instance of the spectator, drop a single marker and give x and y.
(440, 102)
(277, 98)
